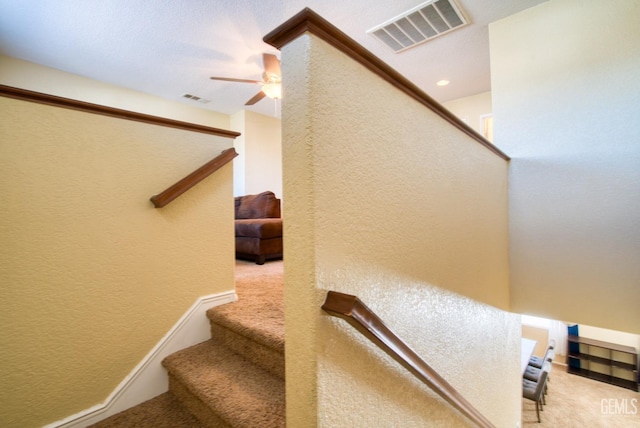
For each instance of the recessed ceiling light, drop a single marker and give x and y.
(442, 82)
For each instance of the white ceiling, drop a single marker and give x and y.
(171, 47)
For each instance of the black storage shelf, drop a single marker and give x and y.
(602, 360)
(578, 360)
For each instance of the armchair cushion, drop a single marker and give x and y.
(265, 228)
(258, 227)
(262, 205)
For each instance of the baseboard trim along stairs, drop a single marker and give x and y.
(148, 379)
(232, 378)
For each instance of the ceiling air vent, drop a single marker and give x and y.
(420, 24)
(196, 98)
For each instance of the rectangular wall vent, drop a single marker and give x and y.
(420, 24)
(196, 98)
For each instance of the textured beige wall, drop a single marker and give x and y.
(92, 275)
(388, 202)
(237, 122)
(565, 96)
(470, 109)
(258, 166)
(263, 153)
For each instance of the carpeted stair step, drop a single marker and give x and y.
(255, 331)
(223, 389)
(163, 411)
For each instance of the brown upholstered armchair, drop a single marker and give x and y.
(258, 227)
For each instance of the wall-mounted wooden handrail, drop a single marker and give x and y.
(163, 198)
(309, 21)
(356, 313)
(39, 97)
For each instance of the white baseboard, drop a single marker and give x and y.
(149, 379)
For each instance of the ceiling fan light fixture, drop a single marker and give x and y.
(272, 90)
(269, 85)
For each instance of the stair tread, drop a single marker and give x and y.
(163, 411)
(264, 356)
(238, 391)
(258, 314)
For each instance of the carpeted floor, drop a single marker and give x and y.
(577, 402)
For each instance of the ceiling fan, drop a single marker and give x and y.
(271, 80)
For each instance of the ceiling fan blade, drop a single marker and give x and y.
(257, 97)
(230, 79)
(271, 64)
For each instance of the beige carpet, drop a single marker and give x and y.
(163, 411)
(577, 402)
(259, 312)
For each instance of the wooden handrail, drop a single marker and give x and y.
(363, 319)
(309, 21)
(163, 198)
(39, 97)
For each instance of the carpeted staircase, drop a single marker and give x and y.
(236, 378)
